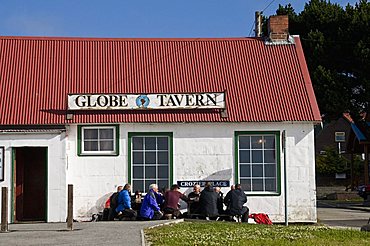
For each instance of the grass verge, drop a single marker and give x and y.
(226, 233)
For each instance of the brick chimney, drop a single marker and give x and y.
(278, 28)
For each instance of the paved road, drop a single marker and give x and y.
(88, 233)
(342, 217)
(128, 232)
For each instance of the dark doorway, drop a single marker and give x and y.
(30, 165)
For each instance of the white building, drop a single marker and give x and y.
(98, 113)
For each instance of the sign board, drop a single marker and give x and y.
(340, 137)
(146, 101)
(2, 163)
(214, 183)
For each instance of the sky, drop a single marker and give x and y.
(136, 18)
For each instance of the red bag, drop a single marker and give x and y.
(261, 218)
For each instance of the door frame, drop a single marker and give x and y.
(13, 182)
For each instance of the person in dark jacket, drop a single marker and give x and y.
(220, 200)
(150, 209)
(113, 203)
(208, 202)
(235, 200)
(194, 207)
(124, 203)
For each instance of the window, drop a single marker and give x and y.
(150, 160)
(258, 161)
(98, 140)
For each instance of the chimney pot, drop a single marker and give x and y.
(258, 26)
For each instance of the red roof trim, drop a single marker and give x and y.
(307, 79)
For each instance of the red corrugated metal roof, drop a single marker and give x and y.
(263, 83)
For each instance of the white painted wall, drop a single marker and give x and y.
(201, 151)
(56, 186)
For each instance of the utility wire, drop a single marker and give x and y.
(254, 22)
(267, 6)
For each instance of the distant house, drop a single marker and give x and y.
(333, 135)
(347, 137)
(100, 112)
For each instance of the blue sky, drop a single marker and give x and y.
(135, 18)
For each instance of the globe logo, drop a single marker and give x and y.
(142, 101)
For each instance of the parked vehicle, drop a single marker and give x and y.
(364, 191)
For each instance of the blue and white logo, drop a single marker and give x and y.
(142, 101)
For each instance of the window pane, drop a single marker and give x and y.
(270, 184)
(269, 142)
(106, 133)
(138, 157)
(90, 133)
(90, 145)
(257, 184)
(163, 184)
(245, 170)
(138, 185)
(162, 143)
(149, 182)
(246, 184)
(244, 156)
(257, 170)
(244, 142)
(150, 172)
(137, 143)
(162, 157)
(162, 171)
(270, 156)
(270, 170)
(257, 142)
(106, 145)
(150, 158)
(257, 156)
(150, 143)
(138, 172)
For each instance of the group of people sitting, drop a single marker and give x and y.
(207, 204)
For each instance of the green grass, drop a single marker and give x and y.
(226, 233)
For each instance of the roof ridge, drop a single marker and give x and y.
(127, 39)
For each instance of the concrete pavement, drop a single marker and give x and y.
(129, 232)
(337, 214)
(87, 233)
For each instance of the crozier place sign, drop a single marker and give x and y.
(202, 183)
(146, 101)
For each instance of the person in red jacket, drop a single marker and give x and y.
(172, 198)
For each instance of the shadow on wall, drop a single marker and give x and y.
(99, 205)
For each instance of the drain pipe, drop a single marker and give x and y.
(285, 179)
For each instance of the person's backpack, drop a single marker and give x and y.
(114, 200)
(261, 218)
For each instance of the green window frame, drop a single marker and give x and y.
(81, 151)
(245, 152)
(156, 165)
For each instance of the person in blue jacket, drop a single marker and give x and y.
(124, 203)
(149, 208)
